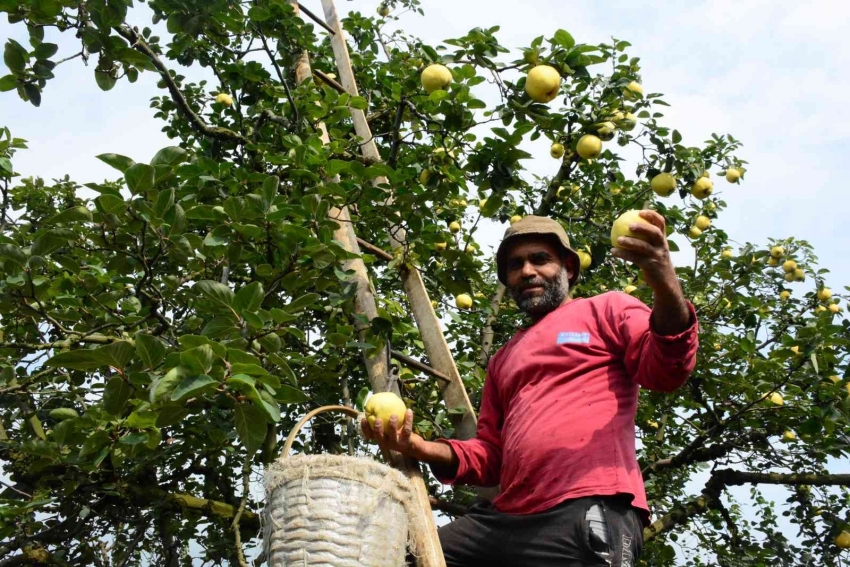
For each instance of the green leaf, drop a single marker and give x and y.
(154, 438)
(271, 342)
(104, 79)
(115, 395)
(249, 298)
(269, 380)
(219, 236)
(170, 156)
(150, 349)
(244, 384)
(171, 414)
(281, 363)
(134, 438)
(50, 241)
(250, 426)
(81, 359)
(139, 177)
(33, 94)
(250, 369)
(94, 443)
(220, 327)
(358, 102)
(564, 39)
(45, 50)
(15, 56)
(8, 83)
(811, 426)
(111, 204)
(162, 388)
(192, 387)
(290, 395)
(270, 189)
(141, 418)
(198, 360)
(268, 406)
(74, 214)
(61, 414)
(63, 430)
(258, 14)
(302, 302)
(254, 320)
(119, 162)
(116, 355)
(217, 292)
(12, 253)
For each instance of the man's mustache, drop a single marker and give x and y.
(535, 283)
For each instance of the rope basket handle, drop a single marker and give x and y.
(350, 412)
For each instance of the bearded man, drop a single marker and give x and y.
(556, 427)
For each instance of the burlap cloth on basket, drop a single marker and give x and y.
(337, 511)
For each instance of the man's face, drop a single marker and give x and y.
(538, 280)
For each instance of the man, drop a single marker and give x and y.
(556, 424)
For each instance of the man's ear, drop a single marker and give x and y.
(569, 262)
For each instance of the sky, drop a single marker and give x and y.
(769, 72)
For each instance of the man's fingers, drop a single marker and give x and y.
(634, 245)
(653, 233)
(655, 218)
(628, 255)
(367, 431)
(392, 428)
(378, 428)
(407, 426)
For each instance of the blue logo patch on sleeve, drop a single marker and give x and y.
(570, 337)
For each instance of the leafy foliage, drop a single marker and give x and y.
(159, 330)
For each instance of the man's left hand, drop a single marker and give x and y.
(652, 255)
(670, 314)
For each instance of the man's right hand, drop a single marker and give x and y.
(395, 435)
(399, 436)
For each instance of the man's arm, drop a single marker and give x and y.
(399, 437)
(476, 461)
(670, 314)
(659, 349)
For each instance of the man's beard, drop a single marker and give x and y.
(555, 291)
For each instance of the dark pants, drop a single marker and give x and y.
(562, 536)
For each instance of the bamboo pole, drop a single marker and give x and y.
(427, 547)
(435, 343)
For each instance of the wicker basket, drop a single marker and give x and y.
(335, 511)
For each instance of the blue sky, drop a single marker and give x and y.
(770, 72)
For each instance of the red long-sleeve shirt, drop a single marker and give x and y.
(557, 418)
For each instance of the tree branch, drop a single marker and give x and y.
(237, 536)
(207, 507)
(723, 478)
(139, 44)
(396, 138)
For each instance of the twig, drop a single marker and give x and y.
(280, 78)
(332, 82)
(21, 492)
(237, 536)
(140, 532)
(316, 19)
(141, 46)
(396, 138)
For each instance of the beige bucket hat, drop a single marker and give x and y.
(534, 225)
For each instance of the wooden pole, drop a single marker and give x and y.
(435, 343)
(427, 547)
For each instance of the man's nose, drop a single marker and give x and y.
(528, 270)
